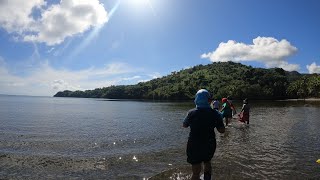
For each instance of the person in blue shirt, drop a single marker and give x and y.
(201, 141)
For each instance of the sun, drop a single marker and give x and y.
(138, 4)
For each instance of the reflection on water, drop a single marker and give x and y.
(70, 138)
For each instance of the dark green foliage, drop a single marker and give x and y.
(304, 87)
(222, 79)
(65, 93)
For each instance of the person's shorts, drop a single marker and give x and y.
(200, 153)
(227, 115)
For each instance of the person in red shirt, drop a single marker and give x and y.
(245, 112)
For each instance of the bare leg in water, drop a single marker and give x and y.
(207, 170)
(227, 121)
(196, 169)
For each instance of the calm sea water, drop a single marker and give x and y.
(70, 138)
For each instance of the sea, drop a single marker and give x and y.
(84, 138)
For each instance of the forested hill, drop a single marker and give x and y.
(221, 78)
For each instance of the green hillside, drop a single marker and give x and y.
(221, 78)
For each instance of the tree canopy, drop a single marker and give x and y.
(222, 79)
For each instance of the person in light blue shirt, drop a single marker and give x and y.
(216, 105)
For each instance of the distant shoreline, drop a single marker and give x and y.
(306, 99)
(109, 99)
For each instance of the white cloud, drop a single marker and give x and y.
(15, 14)
(56, 21)
(282, 64)
(150, 77)
(46, 80)
(61, 84)
(131, 78)
(155, 75)
(313, 68)
(268, 50)
(113, 69)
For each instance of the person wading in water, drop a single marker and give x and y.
(202, 142)
(226, 110)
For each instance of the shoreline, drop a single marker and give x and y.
(307, 99)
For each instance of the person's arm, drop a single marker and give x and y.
(223, 106)
(233, 108)
(221, 130)
(186, 121)
(220, 126)
(243, 106)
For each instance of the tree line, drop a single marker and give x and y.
(222, 79)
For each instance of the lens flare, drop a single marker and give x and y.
(93, 34)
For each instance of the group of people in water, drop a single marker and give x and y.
(228, 110)
(202, 120)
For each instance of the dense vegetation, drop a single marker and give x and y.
(222, 79)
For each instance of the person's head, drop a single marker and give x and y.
(223, 100)
(203, 98)
(245, 101)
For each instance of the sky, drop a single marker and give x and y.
(48, 46)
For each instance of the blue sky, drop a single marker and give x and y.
(49, 46)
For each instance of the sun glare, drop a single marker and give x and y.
(139, 4)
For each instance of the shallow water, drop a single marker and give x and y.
(70, 138)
